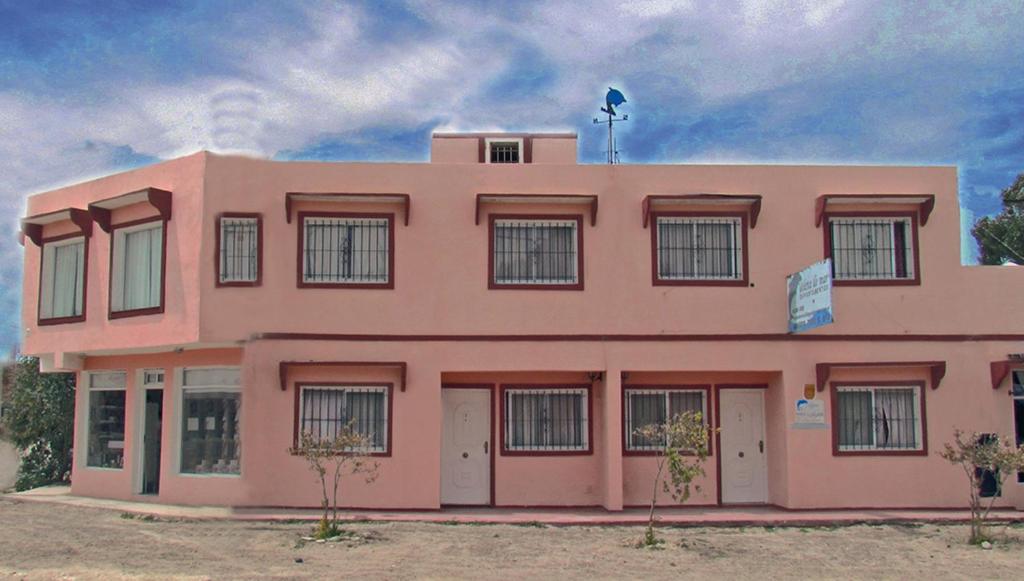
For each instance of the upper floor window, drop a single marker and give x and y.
(504, 150)
(137, 269)
(346, 250)
(649, 406)
(874, 419)
(872, 249)
(239, 249)
(325, 410)
(536, 252)
(699, 249)
(62, 281)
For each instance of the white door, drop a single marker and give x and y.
(466, 446)
(744, 469)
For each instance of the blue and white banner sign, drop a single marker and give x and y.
(810, 297)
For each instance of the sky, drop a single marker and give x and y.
(88, 89)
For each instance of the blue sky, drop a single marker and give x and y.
(90, 89)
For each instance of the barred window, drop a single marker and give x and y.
(211, 404)
(503, 151)
(325, 410)
(1017, 389)
(871, 248)
(62, 286)
(546, 420)
(878, 418)
(700, 248)
(239, 249)
(648, 406)
(535, 251)
(345, 250)
(105, 430)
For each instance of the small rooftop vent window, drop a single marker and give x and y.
(504, 151)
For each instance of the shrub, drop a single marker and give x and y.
(39, 420)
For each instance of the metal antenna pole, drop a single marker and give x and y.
(611, 141)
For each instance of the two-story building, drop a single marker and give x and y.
(498, 321)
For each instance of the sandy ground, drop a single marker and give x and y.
(40, 541)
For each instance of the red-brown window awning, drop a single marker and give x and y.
(32, 226)
(290, 198)
(751, 201)
(159, 199)
(824, 370)
(925, 203)
(553, 199)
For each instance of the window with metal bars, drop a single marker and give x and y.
(325, 410)
(345, 250)
(871, 248)
(699, 248)
(1017, 386)
(878, 418)
(503, 151)
(546, 420)
(535, 252)
(645, 407)
(239, 249)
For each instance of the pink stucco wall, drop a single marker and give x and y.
(441, 290)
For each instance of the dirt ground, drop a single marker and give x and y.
(40, 541)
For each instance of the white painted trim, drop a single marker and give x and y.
(487, 148)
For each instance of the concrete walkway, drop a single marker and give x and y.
(740, 516)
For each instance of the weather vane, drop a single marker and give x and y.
(613, 99)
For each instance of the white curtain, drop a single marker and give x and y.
(140, 258)
(63, 282)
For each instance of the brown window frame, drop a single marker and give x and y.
(503, 418)
(915, 247)
(259, 250)
(744, 259)
(388, 386)
(299, 265)
(493, 285)
(40, 321)
(666, 388)
(111, 314)
(834, 416)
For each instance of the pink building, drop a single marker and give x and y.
(500, 319)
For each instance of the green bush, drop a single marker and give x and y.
(39, 420)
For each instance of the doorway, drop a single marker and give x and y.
(152, 424)
(743, 472)
(466, 446)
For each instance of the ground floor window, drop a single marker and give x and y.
(1018, 412)
(325, 409)
(654, 406)
(874, 418)
(547, 420)
(211, 404)
(105, 431)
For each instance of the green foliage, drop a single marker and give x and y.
(40, 423)
(330, 460)
(680, 458)
(1001, 238)
(996, 456)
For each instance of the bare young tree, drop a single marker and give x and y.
(978, 455)
(682, 448)
(331, 459)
